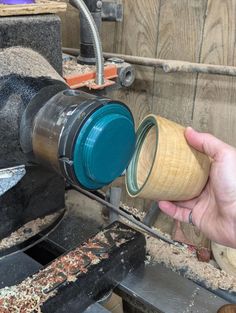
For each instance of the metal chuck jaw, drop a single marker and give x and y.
(89, 140)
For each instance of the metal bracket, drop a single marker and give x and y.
(112, 11)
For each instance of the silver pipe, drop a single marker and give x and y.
(79, 4)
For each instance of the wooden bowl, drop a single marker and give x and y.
(225, 257)
(164, 166)
(228, 308)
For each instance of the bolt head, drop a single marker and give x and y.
(99, 4)
(116, 60)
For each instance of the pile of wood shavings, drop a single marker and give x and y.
(72, 67)
(25, 300)
(30, 295)
(180, 259)
(28, 230)
(137, 213)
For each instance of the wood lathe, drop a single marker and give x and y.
(60, 131)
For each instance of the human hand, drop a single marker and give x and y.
(214, 210)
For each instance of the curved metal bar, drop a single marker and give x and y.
(79, 4)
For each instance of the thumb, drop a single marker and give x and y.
(205, 143)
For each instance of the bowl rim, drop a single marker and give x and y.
(145, 126)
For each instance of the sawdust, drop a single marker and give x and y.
(192, 301)
(31, 294)
(25, 62)
(28, 230)
(72, 67)
(134, 211)
(180, 259)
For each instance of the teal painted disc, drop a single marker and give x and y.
(104, 146)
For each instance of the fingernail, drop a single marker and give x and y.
(191, 129)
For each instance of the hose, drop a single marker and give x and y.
(79, 4)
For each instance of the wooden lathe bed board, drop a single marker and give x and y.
(39, 7)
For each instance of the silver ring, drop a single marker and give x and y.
(190, 218)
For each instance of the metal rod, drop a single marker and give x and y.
(115, 196)
(152, 214)
(130, 218)
(168, 66)
(79, 4)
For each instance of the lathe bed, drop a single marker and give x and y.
(149, 288)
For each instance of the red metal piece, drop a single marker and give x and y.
(88, 78)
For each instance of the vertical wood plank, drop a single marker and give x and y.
(137, 35)
(108, 36)
(70, 27)
(138, 32)
(215, 104)
(180, 36)
(139, 96)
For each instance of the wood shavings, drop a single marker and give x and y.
(192, 301)
(28, 230)
(181, 259)
(39, 7)
(72, 67)
(24, 300)
(134, 211)
(33, 292)
(16, 59)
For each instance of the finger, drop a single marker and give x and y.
(179, 213)
(205, 143)
(189, 204)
